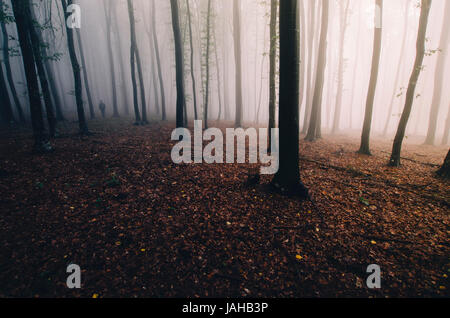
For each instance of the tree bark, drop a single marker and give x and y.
(420, 48)
(76, 74)
(439, 77)
(85, 75)
(287, 178)
(133, 62)
(178, 62)
(194, 89)
(238, 59)
(316, 112)
(343, 22)
(365, 137)
(208, 44)
(158, 63)
(273, 66)
(399, 69)
(445, 169)
(108, 16)
(22, 16)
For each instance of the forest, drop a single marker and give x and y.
(224, 148)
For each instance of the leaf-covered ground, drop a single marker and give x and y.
(139, 225)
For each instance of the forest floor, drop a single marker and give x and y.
(139, 225)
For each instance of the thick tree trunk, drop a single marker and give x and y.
(445, 169)
(316, 110)
(158, 63)
(273, 66)
(76, 74)
(420, 48)
(22, 16)
(178, 62)
(365, 137)
(108, 15)
(287, 178)
(238, 59)
(439, 77)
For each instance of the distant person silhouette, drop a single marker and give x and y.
(102, 107)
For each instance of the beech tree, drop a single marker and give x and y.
(273, 66)
(439, 76)
(365, 138)
(178, 63)
(238, 60)
(420, 54)
(76, 73)
(158, 62)
(22, 15)
(314, 123)
(107, 6)
(287, 178)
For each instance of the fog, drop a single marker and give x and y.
(255, 39)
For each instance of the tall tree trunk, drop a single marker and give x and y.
(87, 87)
(141, 85)
(7, 62)
(107, 6)
(287, 178)
(399, 69)
(194, 89)
(219, 86)
(76, 73)
(208, 44)
(238, 59)
(133, 62)
(39, 55)
(55, 91)
(301, 21)
(445, 169)
(23, 19)
(309, 75)
(365, 137)
(178, 62)
(420, 48)
(273, 66)
(439, 76)
(123, 84)
(158, 63)
(316, 112)
(343, 21)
